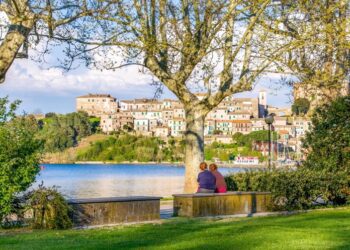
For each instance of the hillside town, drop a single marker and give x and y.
(163, 118)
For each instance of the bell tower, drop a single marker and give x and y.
(262, 103)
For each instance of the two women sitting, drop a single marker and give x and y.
(210, 181)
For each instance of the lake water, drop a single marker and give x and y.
(99, 180)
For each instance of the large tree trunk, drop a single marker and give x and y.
(194, 154)
(11, 44)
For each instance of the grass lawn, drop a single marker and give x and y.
(322, 229)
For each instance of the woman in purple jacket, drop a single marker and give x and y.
(206, 180)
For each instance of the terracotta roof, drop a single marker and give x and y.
(243, 99)
(239, 113)
(96, 96)
(170, 100)
(145, 110)
(241, 121)
(177, 119)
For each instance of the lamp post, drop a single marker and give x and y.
(269, 120)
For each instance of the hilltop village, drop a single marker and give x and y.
(164, 118)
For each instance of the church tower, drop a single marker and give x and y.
(262, 103)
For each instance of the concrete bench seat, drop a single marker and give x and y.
(114, 210)
(216, 204)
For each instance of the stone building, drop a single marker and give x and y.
(108, 123)
(177, 126)
(301, 126)
(258, 124)
(167, 117)
(116, 121)
(241, 126)
(167, 114)
(97, 104)
(161, 131)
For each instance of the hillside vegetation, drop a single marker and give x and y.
(123, 147)
(69, 155)
(126, 147)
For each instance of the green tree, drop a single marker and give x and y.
(63, 131)
(247, 140)
(23, 17)
(189, 46)
(328, 142)
(20, 154)
(300, 106)
(320, 34)
(328, 147)
(238, 138)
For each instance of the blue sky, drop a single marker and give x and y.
(50, 90)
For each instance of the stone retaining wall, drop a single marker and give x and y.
(201, 205)
(114, 210)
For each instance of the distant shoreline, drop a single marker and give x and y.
(177, 164)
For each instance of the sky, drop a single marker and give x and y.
(43, 89)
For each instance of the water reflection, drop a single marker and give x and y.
(90, 181)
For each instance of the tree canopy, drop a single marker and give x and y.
(63, 131)
(189, 46)
(33, 23)
(300, 106)
(320, 34)
(328, 142)
(20, 153)
(328, 148)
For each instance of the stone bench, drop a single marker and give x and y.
(230, 203)
(114, 210)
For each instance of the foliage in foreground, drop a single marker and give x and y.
(20, 153)
(328, 143)
(293, 189)
(50, 210)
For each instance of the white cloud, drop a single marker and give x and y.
(26, 75)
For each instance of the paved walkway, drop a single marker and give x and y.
(166, 209)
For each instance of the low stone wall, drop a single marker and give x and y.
(201, 205)
(114, 210)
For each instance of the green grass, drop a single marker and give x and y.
(322, 229)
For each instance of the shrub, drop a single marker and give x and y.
(291, 189)
(50, 210)
(328, 148)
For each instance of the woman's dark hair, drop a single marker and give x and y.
(203, 166)
(213, 166)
